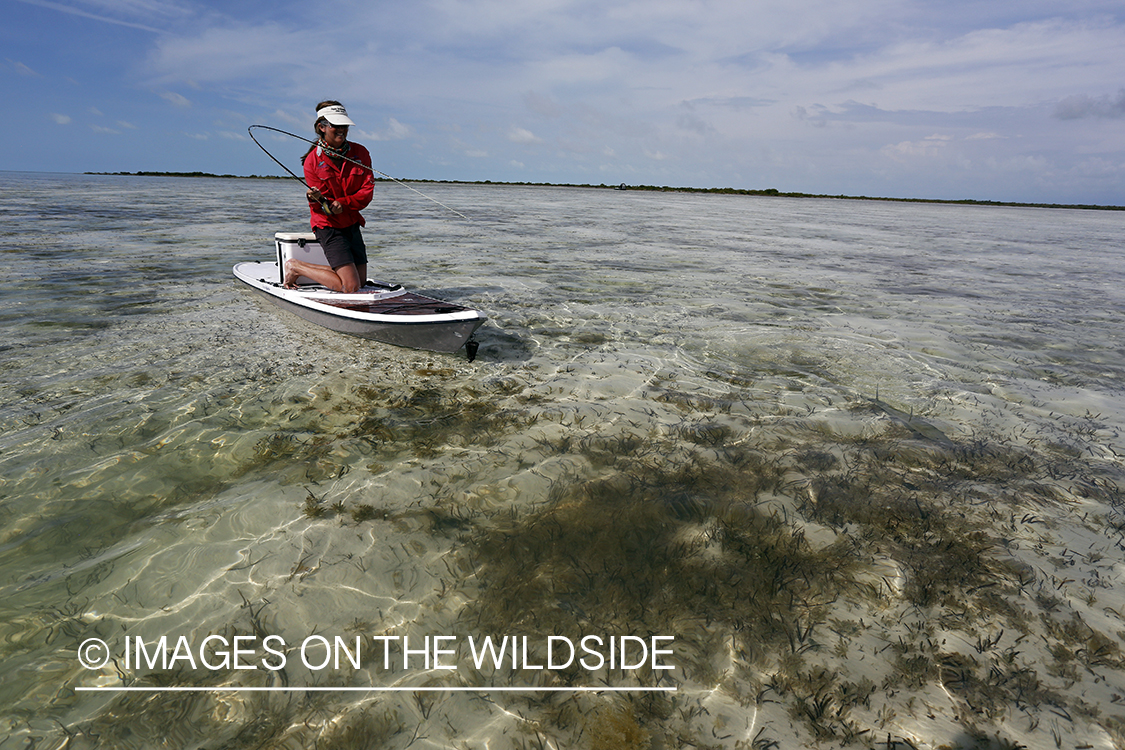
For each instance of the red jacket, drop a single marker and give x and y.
(341, 181)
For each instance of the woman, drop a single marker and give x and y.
(338, 190)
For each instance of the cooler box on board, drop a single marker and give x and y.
(299, 245)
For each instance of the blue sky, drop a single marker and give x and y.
(998, 100)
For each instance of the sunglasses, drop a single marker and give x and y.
(337, 127)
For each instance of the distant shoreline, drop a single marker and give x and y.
(769, 192)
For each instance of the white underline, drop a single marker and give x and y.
(313, 689)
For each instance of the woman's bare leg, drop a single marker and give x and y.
(343, 279)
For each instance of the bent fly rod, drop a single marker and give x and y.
(324, 203)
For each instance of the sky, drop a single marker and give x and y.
(1007, 100)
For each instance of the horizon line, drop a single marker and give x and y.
(641, 187)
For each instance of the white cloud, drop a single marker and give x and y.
(395, 131)
(923, 148)
(176, 99)
(544, 106)
(691, 123)
(61, 119)
(242, 52)
(1100, 168)
(22, 69)
(1080, 106)
(112, 11)
(520, 135)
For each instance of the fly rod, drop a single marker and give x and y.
(324, 203)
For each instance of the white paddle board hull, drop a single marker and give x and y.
(380, 312)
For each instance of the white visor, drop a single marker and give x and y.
(335, 114)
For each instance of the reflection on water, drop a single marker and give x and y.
(860, 460)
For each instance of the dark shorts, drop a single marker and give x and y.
(342, 246)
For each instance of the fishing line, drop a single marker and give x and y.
(323, 201)
(250, 130)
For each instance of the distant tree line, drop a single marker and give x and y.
(654, 188)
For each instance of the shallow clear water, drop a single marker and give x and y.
(859, 459)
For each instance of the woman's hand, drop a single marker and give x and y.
(315, 196)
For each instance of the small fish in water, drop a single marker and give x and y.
(918, 427)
